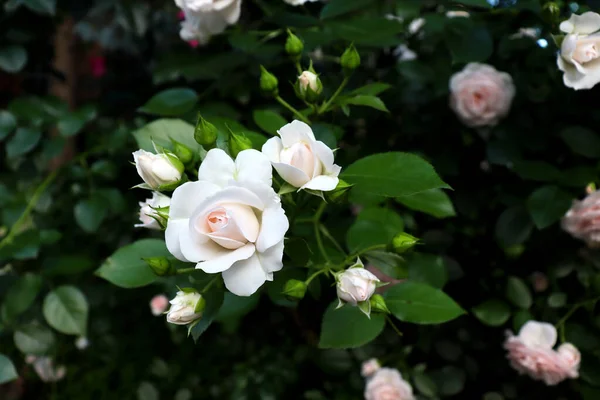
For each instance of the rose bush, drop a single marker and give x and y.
(285, 143)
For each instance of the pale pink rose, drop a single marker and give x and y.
(44, 367)
(369, 367)
(481, 95)
(387, 384)
(159, 304)
(583, 219)
(532, 353)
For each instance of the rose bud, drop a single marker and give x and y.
(186, 307)
(158, 170)
(150, 214)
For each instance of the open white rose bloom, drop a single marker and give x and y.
(300, 159)
(204, 18)
(579, 56)
(230, 221)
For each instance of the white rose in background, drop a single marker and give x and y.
(205, 18)
(580, 51)
(404, 53)
(148, 214)
(158, 170)
(186, 307)
(300, 159)
(230, 221)
(299, 2)
(387, 384)
(531, 352)
(44, 367)
(416, 25)
(457, 14)
(481, 95)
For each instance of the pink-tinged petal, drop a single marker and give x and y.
(225, 242)
(196, 251)
(253, 166)
(294, 132)
(272, 149)
(291, 175)
(271, 259)
(217, 167)
(245, 277)
(186, 198)
(226, 258)
(175, 229)
(232, 194)
(273, 228)
(322, 182)
(538, 334)
(245, 221)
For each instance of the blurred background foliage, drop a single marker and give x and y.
(73, 76)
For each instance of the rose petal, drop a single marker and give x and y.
(175, 229)
(322, 182)
(226, 259)
(583, 24)
(252, 165)
(271, 259)
(291, 175)
(195, 251)
(323, 153)
(294, 132)
(539, 334)
(217, 167)
(245, 277)
(272, 149)
(187, 196)
(274, 225)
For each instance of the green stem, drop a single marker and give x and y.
(298, 67)
(313, 276)
(30, 206)
(185, 271)
(316, 224)
(560, 325)
(292, 109)
(329, 236)
(209, 284)
(391, 322)
(359, 253)
(326, 105)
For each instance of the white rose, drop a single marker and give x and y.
(299, 2)
(158, 169)
(82, 343)
(356, 285)
(300, 159)
(481, 95)
(230, 221)
(205, 18)
(404, 53)
(148, 213)
(457, 14)
(183, 308)
(580, 50)
(309, 80)
(416, 25)
(387, 384)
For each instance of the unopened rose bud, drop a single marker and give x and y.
(161, 266)
(378, 304)
(403, 242)
(182, 152)
(295, 289)
(339, 194)
(268, 82)
(186, 307)
(152, 215)
(158, 170)
(293, 45)
(350, 59)
(238, 142)
(205, 133)
(309, 86)
(369, 367)
(590, 188)
(356, 285)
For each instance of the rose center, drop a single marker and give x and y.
(230, 225)
(301, 157)
(585, 53)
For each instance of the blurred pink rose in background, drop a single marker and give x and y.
(159, 304)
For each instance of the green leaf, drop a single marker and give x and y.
(390, 264)
(72, 123)
(162, 131)
(24, 140)
(13, 58)
(365, 100)
(66, 310)
(470, 45)
(429, 269)
(475, 3)
(214, 300)
(269, 121)
(375, 31)
(41, 6)
(372, 89)
(8, 123)
(339, 7)
(90, 213)
(171, 102)
(126, 267)
(536, 171)
(392, 174)
(21, 295)
(348, 327)
(582, 141)
(373, 226)
(433, 202)
(513, 226)
(34, 339)
(492, 312)
(547, 205)
(518, 293)
(421, 304)
(7, 370)
(237, 306)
